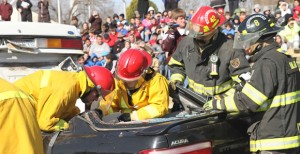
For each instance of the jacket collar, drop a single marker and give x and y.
(262, 52)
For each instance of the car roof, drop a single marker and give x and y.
(37, 29)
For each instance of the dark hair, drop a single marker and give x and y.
(178, 12)
(74, 18)
(122, 15)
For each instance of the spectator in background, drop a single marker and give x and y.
(94, 60)
(228, 30)
(110, 62)
(267, 12)
(119, 45)
(92, 35)
(243, 14)
(105, 29)
(115, 20)
(99, 47)
(282, 41)
(278, 18)
(6, 11)
(44, 15)
(113, 35)
(158, 17)
(24, 7)
(227, 15)
(132, 39)
(256, 9)
(126, 47)
(296, 14)
(236, 22)
(84, 32)
(291, 33)
(284, 8)
(174, 34)
(87, 46)
(121, 29)
(108, 21)
(155, 63)
(295, 4)
(122, 19)
(147, 22)
(74, 22)
(96, 22)
(151, 11)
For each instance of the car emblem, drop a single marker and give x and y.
(179, 142)
(70, 33)
(19, 30)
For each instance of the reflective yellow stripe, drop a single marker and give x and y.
(175, 62)
(265, 106)
(177, 77)
(286, 99)
(151, 110)
(236, 78)
(45, 78)
(255, 95)
(282, 51)
(230, 104)
(275, 144)
(12, 94)
(124, 106)
(201, 89)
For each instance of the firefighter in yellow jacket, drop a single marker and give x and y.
(56, 93)
(19, 129)
(140, 92)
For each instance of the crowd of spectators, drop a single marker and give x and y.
(105, 40)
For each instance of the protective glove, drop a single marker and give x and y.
(213, 105)
(112, 118)
(172, 87)
(208, 105)
(124, 117)
(61, 125)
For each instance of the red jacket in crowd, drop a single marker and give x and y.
(5, 11)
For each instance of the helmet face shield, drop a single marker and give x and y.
(244, 41)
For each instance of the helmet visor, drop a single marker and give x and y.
(244, 41)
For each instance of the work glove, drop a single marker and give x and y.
(61, 125)
(112, 118)
(172, 87)
(208, 105)
(124, 117)
(212, 105)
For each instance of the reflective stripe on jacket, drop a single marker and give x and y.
(274, 87)
(56, 93)
(188, 62)
(149, 101)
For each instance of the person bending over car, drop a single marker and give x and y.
(140, 92)
(274, 87)
(56, 93)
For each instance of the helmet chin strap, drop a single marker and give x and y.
(204, 43)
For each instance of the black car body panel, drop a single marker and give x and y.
(89, 134)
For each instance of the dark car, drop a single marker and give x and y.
(190, 131)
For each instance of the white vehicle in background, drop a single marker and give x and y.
(28, 46)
